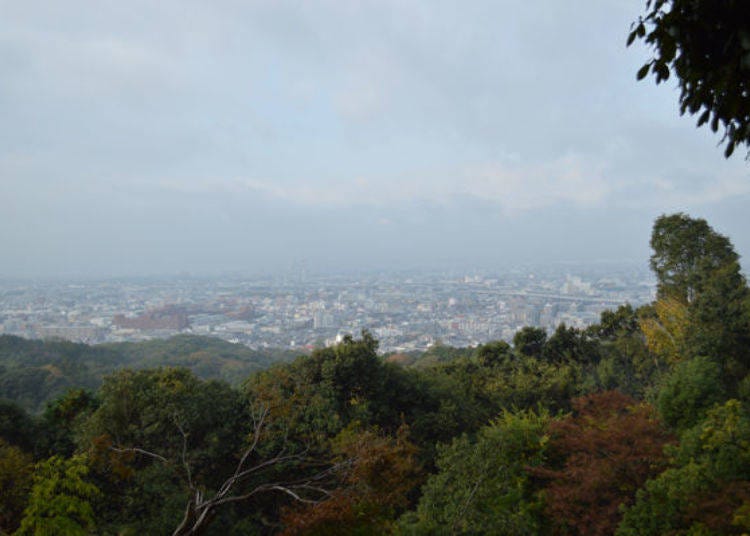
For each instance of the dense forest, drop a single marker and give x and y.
(33, 373)
(637, 425)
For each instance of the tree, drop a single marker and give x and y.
(706, 44)
(153, 408)
(599, 456)
(247, 481)
(614, 324)
(354, 372)
(687, 252)
(176, 451)
(62, 417)
(493, 353)
(626, 363)
(16, 426)
(666, 330)
(529, 341)
(720, 322)
(60, 499)
(707, 488)
(172, 413)
(313, 398)
(483, 486)
(697, 269)
(689, 391)
(377, 475)
(568, 344)
(532, 383)
(15, 482)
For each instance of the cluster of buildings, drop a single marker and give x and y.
(404, 311)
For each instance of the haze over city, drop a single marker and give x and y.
(146, 138)
(398, 267)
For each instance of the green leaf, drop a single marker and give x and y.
(729, 150)
(662, 72)
(642, 72)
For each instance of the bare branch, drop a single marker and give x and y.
(199, 508)
(136, 450)
(185, 464)
(257, 429)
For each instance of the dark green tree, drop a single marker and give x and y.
(615, 324)
(354, 373)
(155, 409)
(720, 321)
(483, 486)
(689, 391)
(61, 419)
(529, 341)
(698, 267)
(706, 45)
(157, 433)
(313, 398)
(570, 344)
(15, 482)
(687, 253)
(493, 353)
(177, 454)
(17, 427)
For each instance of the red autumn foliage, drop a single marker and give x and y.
(382, 472)
(600, 455)
(717, 507)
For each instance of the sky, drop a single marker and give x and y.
(156, 138)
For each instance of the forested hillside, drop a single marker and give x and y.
(637, 425)
(33, 372)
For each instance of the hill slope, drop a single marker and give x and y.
(34, 371)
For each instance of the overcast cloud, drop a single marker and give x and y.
(162, 137)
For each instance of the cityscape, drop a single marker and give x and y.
(301, 311)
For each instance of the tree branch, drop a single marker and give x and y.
(199, 509)
(136, 450)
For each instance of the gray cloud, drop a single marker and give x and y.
(141, 137)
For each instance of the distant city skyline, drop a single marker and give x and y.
(294, 310)
(147, 138)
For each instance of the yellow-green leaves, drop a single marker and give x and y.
(59, 501)
(665, 334)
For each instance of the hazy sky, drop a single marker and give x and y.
(146, 137)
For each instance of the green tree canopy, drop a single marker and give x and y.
(493, 353)
(60, 499)
(15, 482)
(707, 489)
(696, 267)
(171, 412)
(687, 252)
(692, 389)
(570, 344)
(482, 486)
(529, 341)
